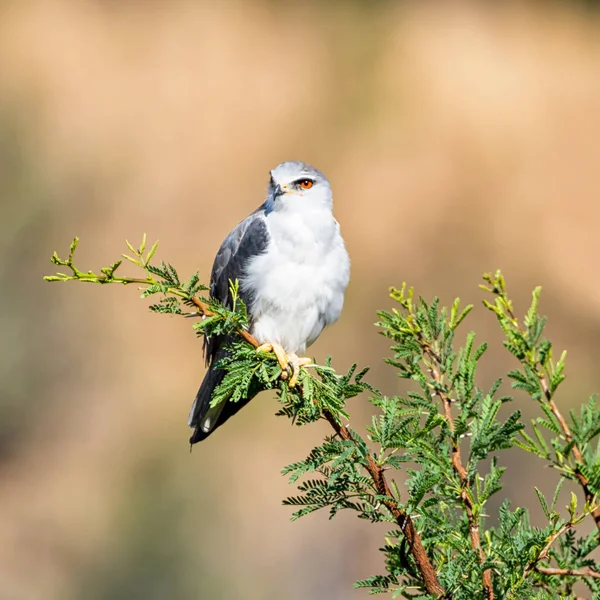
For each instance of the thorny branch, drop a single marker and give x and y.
(457, 465)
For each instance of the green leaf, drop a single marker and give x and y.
(543, 502)
(151, 253)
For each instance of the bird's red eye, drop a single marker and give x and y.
(306, 184)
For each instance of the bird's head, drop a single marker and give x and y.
(297, 186)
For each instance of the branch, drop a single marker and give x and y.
(142, 260)
(567, 572)
(503, 309)
(581, 478)
(376, 472)
(204, 310)
(533, 564)
(404, 520)
(544, 553)
(169, 283)
(457, 465)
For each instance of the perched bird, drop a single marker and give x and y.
(290, 260)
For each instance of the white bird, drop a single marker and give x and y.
(293, 269)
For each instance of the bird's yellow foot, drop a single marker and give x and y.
(277, 349)
(296, 363)
(285, 361)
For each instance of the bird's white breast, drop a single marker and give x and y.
(298, 283)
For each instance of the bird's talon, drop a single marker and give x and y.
(279, 352)
(297, 362)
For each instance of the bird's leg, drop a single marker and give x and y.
(296, 363)
(279, 352)
(286, 360)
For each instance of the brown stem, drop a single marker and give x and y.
(203, 309)
(459, 469)
(584, 482)
(404, 521)
(533, 565)
(544, 553)
(568, 572)
(581, 478)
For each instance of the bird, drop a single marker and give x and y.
(293, 269)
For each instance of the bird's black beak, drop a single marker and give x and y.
(277, 191)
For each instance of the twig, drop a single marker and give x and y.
(458, 467)
(568, 572)
(203, 309)
(533, 565)
(581, 478)
(404, 520)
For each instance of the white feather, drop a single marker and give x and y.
(298, 283)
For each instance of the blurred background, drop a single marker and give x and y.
(459, 137)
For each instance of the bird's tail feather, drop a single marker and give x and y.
(203, 418)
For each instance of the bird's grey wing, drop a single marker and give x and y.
(250, 238)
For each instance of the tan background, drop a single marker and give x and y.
(458, 138)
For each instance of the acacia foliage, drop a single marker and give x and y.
(444, 439)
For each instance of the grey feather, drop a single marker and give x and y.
(249, 239)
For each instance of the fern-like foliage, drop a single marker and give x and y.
(428, 462)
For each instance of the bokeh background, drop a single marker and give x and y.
(459, 137)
